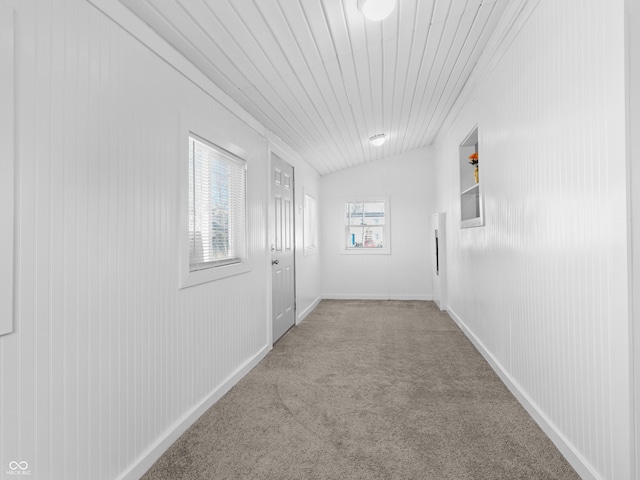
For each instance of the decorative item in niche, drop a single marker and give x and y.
(473, 160)
(471, 205)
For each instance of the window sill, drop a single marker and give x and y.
(198, 277)
(366, 251)
(308, 251)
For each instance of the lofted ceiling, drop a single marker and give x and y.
(322, 77)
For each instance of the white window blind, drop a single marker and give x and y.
(217, 206)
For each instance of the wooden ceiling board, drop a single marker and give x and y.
(469, 53)
(418, 109)
(483, 26)
(457, 41)
(310, 116)
(263, 36)
(376, 76)
(363, 87)
(222, 71)
(389, 52)
(335, 117)
(201, 22)
(434, 85)
(301, 30)
(319, 27)
(323, 78)
(336, 78)
(280, 29)
(337, 24)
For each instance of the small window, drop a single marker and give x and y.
(367, 226)
(310, 231)
(213, 207)
(217, 206)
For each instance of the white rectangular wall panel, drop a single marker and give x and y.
(7, 168)
(542, 287)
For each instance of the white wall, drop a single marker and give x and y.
(109, 360)
(404, 274)
(542, 287)
(633, 168)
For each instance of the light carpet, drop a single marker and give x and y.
(367, 390)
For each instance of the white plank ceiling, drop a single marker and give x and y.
(325, 79)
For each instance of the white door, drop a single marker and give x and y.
(282, 247)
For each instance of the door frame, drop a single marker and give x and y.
(275, 146)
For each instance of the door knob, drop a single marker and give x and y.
(274, 262)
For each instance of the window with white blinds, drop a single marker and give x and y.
(217, 206)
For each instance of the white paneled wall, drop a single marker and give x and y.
(404, 274)
(542, 288)
(633, 96)
(109, 359)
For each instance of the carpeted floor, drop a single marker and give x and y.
(367, 390)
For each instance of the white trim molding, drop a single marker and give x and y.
(376, 296)
(305, 313)
(172, 434)
(577, 461)
(124, 17)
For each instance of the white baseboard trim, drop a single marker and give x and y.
(302, 315)
(425, 298)
(147, 459)
(577, 461)
(369, 296)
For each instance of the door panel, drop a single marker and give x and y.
(282, 247)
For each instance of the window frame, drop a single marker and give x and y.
(344, 240)
(207, 134)
(310, 225)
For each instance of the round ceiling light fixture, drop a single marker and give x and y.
(378, 140)
(376, 9)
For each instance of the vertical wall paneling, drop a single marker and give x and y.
(632, 17)
(110, 361)
(10, 441)
(7, 168)
(405, 273)
(542, 287)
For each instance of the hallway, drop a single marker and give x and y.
(367, 389)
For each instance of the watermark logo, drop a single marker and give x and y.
(18, 468)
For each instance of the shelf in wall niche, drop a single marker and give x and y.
(473, 189)
(471, 201)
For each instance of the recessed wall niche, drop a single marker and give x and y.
(471, 208)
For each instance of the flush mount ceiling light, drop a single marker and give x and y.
(378, 139)
(376, 9)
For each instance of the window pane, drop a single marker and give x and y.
(365, 213)
(365, 237)
(216, 206)
(374, 213)
(366, 227)
(355, 213)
